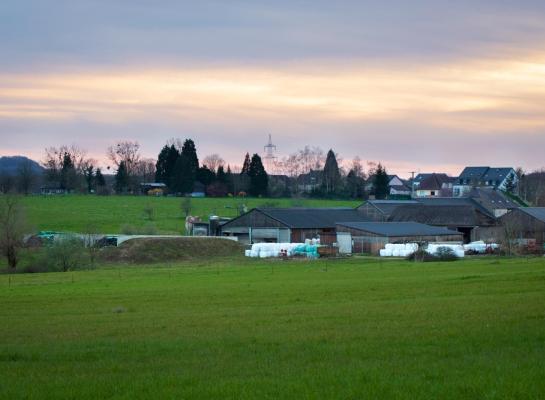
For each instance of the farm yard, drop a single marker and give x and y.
(111, 214)
(234, 328)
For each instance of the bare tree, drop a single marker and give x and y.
(145, 169)
(7, 182)
(302, 161)
(532, 187)
(213, 161)
(357, 167)
(12, 228)
(125, 151)
(25, 177)
(54, 161)
(176, 142)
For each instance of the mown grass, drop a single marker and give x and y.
(356, 328)
(108, 214)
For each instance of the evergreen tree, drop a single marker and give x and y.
(166, 162)
(183, 177)
(99, 178)
(332, 176)
(121, 178)
(68, 173)
(381, 182)
(190, 152)
(354, 184)
(221, 176)
(230, 180)
(259, 179)
(510, 184)
(246, 165)
(161, 165)
(88, 173)
(205, 175)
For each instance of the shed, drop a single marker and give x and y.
(289, 224)
(370, 237)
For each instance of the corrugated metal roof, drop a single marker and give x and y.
(386, 207)
(399, 228)
(313, 218)
(442, 215)
(536, 212)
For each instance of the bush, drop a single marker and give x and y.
(65, 254)
(422, 256)
(443, 254)
(446, 254)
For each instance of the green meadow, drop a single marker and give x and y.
(109, 214)
(241, 328)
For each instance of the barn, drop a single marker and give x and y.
(380, 210)
(370, 237)
(460, 216)
(289, 224)
(526, 227)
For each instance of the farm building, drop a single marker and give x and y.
(153, 188)
(380, 210)
(457, 215)
(289, 224)
(370, 237)
(524, 226)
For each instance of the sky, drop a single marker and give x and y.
(420, 86)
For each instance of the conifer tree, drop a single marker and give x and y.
(246, 165)
(121, 178)
(332, 176)
(381, 182)
(99, 178)
(259, 179)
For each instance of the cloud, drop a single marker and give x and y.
(478, 102)
(430, 84)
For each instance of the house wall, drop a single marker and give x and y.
(427, 193)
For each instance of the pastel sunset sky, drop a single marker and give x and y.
(424, 85)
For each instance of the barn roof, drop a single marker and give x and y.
(455, 201)
(387, 206)
(443, 215)
(491, 199)
(312, 218)
(399, 229)
(536, 212)
(434, 182)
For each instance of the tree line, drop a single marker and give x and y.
(307, 172)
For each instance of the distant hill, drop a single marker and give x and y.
(9, 165)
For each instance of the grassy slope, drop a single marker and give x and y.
(464, 330)
(110, 213)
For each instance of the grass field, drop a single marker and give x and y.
(109, 214)
(349, 329)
